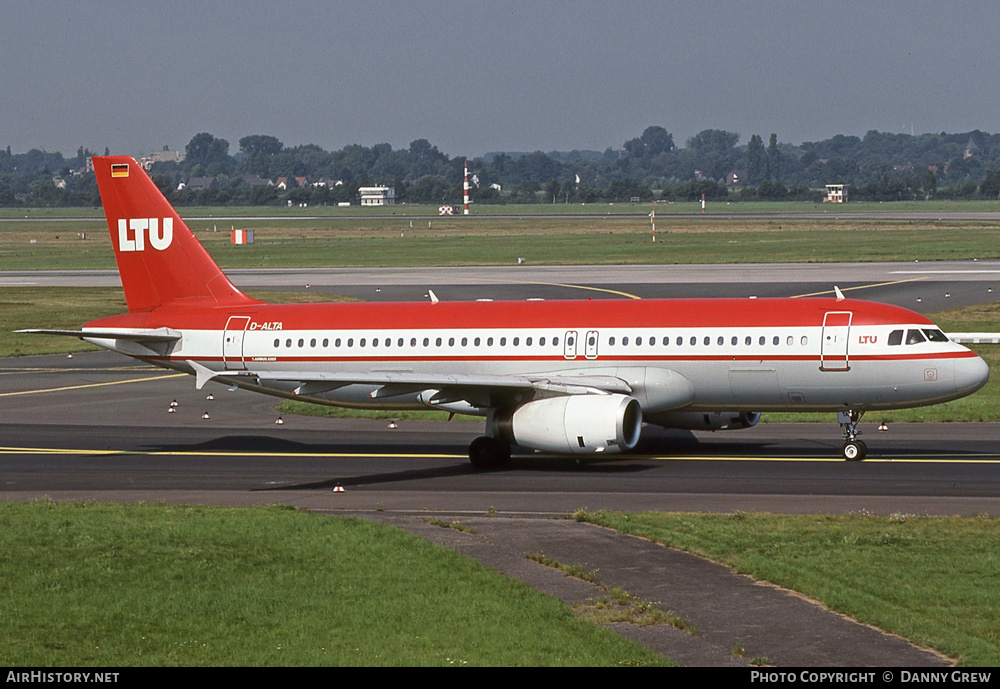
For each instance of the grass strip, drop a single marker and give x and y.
(159, 585)
(931, 580)
(459, 240)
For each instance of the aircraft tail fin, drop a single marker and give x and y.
(159, 259)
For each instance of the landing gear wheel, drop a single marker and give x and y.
(855, 450)
(488, 453)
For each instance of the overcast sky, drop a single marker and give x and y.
(473, 77)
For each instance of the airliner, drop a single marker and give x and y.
(569, 377)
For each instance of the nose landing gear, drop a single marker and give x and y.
(854, 450)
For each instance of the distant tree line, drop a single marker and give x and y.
(879, 166)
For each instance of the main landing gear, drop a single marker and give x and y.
(854, 450)
(488, 453)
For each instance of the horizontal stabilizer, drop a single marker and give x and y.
(132, 334)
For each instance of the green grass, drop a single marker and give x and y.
(53, 308)
(931, 580)
(156, 585)
(616, 240)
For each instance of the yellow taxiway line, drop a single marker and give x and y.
(978, 458)
(92, 385)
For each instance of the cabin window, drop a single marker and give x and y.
(666, 341)
(336, 343)
(527, 341)
(350, 342)
(638, 340)
(362, 343)
(747, 341)
(517, 341)
(503, 341)
(437, 342)
(763, 339)
(427, 341)
(625, 341)
(312, 342)
(489, 341)
(707, 340)
(277, 342)
(734, 340)
(555, 341)
(790, 340)
(804, 340)
(451, 341)
(680, 340)
(301, 342)
(776, 340)
(720, 341)
(694, 340)
(541, 341)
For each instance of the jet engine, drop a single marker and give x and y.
(570, 424)
(705, 421)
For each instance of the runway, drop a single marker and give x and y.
(921, 286)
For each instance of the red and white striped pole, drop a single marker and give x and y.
(466, 188)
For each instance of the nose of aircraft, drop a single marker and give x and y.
(971, 374)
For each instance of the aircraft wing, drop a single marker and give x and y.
(477, 389)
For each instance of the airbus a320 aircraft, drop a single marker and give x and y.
(557, 376)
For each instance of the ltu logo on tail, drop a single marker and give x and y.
(139, 228)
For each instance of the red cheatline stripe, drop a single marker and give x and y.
(578, 357)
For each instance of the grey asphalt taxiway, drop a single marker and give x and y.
(97, 427)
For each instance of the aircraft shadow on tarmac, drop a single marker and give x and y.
(263, 444)
(547, 464)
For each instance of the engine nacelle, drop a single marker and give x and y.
(705, 421)
(574, 424)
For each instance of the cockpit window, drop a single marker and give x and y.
(935, 335)
(896, 337)
(914, 337)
